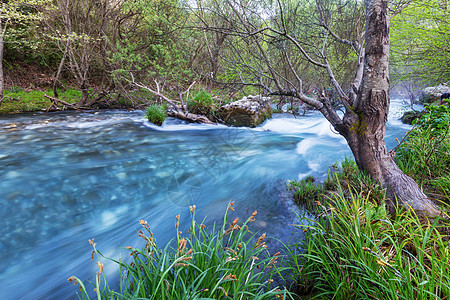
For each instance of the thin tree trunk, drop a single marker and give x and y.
(60, 67)
(2, 77)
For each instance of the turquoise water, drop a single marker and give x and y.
(68, 177)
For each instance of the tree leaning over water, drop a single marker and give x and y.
(365, 100)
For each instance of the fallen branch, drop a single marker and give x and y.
(54, 106)
(175, 110)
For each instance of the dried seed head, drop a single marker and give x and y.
(91, 242)
(71, 278)
(128, 247)
(186, 258)
(189, 252)
(235, 222)
(178, 221)
(261, 238)
(181, 265)
(203, 226)
(230, 277)
(92, 255)
(230, 250)
(100, 268)
(192, 208)
(181, 246)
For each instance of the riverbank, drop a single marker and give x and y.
(355, 249)
(17, 100)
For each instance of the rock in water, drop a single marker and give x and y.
(409, 116)
(433, 93)
(250, 111)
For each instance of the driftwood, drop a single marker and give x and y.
(57, 101)
(77, 106)
(175, 110)
(189, 117)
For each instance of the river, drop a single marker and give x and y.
(71, 176)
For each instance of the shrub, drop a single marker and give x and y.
(224, 263)
(202, 103)
(156, 114)
(72, 95)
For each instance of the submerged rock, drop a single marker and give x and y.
(250, 111)
(433, 93)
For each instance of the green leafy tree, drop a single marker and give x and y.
(420, 42)
(13, 14)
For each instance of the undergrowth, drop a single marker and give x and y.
(425, 154)
(202, 103)
(354, 250)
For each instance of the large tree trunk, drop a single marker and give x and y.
(365, 128)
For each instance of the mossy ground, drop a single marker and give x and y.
(18, 101)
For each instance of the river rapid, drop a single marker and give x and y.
(72, 176)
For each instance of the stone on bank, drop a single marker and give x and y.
(250, 111)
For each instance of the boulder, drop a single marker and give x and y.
(250, 111)
(433, 93)
(409, 116)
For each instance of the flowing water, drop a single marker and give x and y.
(68, 177)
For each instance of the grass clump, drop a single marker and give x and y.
(344, 177)
(156, 114)
(221, 263)
(202, 103)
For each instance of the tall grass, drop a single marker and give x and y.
(355, 250)
(228, 262)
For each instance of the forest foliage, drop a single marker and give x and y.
(95, 46)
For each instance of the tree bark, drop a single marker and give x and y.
(2, 77)
(365, 129)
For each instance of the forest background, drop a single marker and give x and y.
(89, 52)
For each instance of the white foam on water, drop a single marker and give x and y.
(108, 218)
(169, 126)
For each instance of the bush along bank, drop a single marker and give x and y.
(354, 249)
(229, 262)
